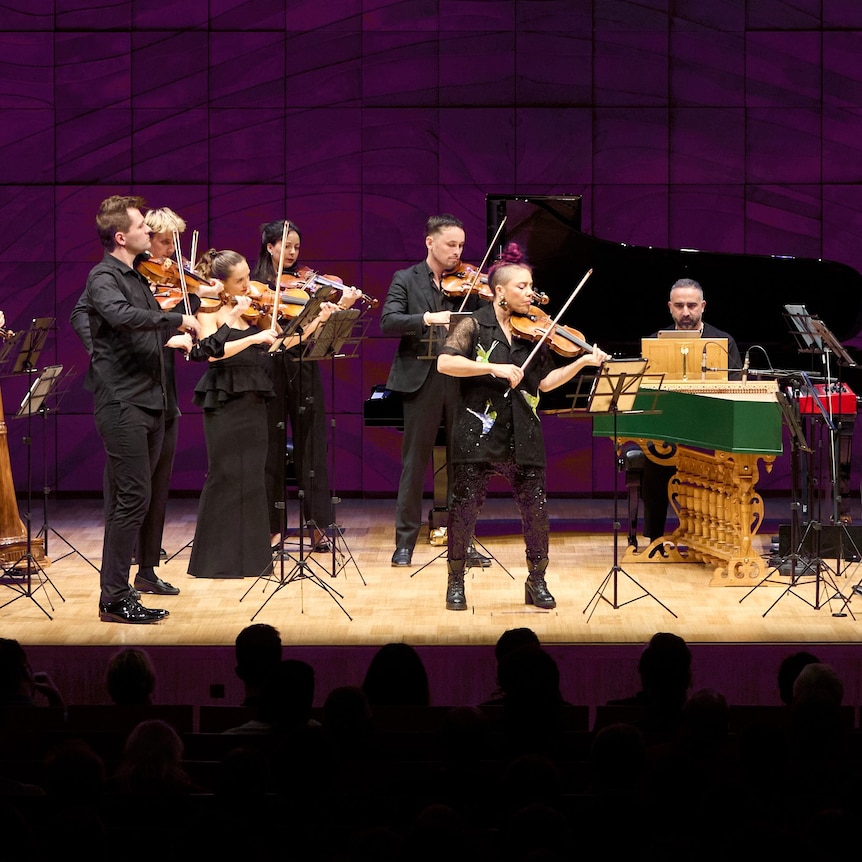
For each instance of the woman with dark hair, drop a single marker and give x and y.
(298, 397)
(497, 427)
(231, 535)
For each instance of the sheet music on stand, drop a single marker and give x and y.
(343, 330)
(309, 311)
(49, 383)
(616, 386)
(21, 353)
(813, 336)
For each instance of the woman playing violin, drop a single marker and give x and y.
(298, 396)
(232, 531)
(496, 432)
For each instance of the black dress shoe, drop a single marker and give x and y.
(129, 611)
(402, 557)
(474, 558)
(154, 584)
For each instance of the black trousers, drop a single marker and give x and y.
(133, 440)
(423, 411)
(470, 488)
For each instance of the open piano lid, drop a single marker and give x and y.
(626, 297)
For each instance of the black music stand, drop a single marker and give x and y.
(613, 391)
(302, 569)
(338, 338)
(27, 565)
(804, 568)
(61, 386)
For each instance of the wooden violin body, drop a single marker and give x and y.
(164, 271)
(563, 340)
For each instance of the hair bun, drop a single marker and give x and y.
(512, 254)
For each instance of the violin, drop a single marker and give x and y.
(564, 340)
(164, 271)
(309, 280)
(251, 314)
(463, 281)
(290, 301)
(170, 297)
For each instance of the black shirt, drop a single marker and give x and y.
(128, 331)
(488, 424)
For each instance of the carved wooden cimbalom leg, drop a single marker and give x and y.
(720, 513)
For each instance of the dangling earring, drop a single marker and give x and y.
(502, 302)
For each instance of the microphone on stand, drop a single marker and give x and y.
(745, 365)
(703, 368)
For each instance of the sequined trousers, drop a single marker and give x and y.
(469, 490)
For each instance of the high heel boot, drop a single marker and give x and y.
(536, 590)
(455, 598)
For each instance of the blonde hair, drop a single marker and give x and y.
(164, 220)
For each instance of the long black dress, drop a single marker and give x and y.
(232, 532)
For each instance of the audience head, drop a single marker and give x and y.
(130, 677)
(532, 674)
(258, 652)
(820, 683)
(665, 668)
(514, 639)
(16, 677)
(396, 677)
(789, 670)
(287, 696)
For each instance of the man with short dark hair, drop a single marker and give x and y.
(417, 309)
(128, 332)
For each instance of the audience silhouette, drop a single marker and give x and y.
(508, 780)
(131, 678)
(258, 653)
(396, 676)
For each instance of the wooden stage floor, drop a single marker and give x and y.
(377, 603)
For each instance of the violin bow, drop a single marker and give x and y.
(478, 275)
(547, 332)
(182, 272)
(194, 251)
(274, 325)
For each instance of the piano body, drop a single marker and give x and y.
(715, 433)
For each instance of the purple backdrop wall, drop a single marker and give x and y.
(725, 126)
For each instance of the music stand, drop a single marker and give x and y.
(25, 347)
(338, 338)
(33, 401)
(798, 565)
(614, 390)
(302, 569)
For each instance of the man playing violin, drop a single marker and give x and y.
(497, 429)
(127, 332)
(162, 223)
(418, 310)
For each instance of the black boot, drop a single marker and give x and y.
(455, 598)
(536, 590)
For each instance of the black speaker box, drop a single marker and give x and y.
(849, 537)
